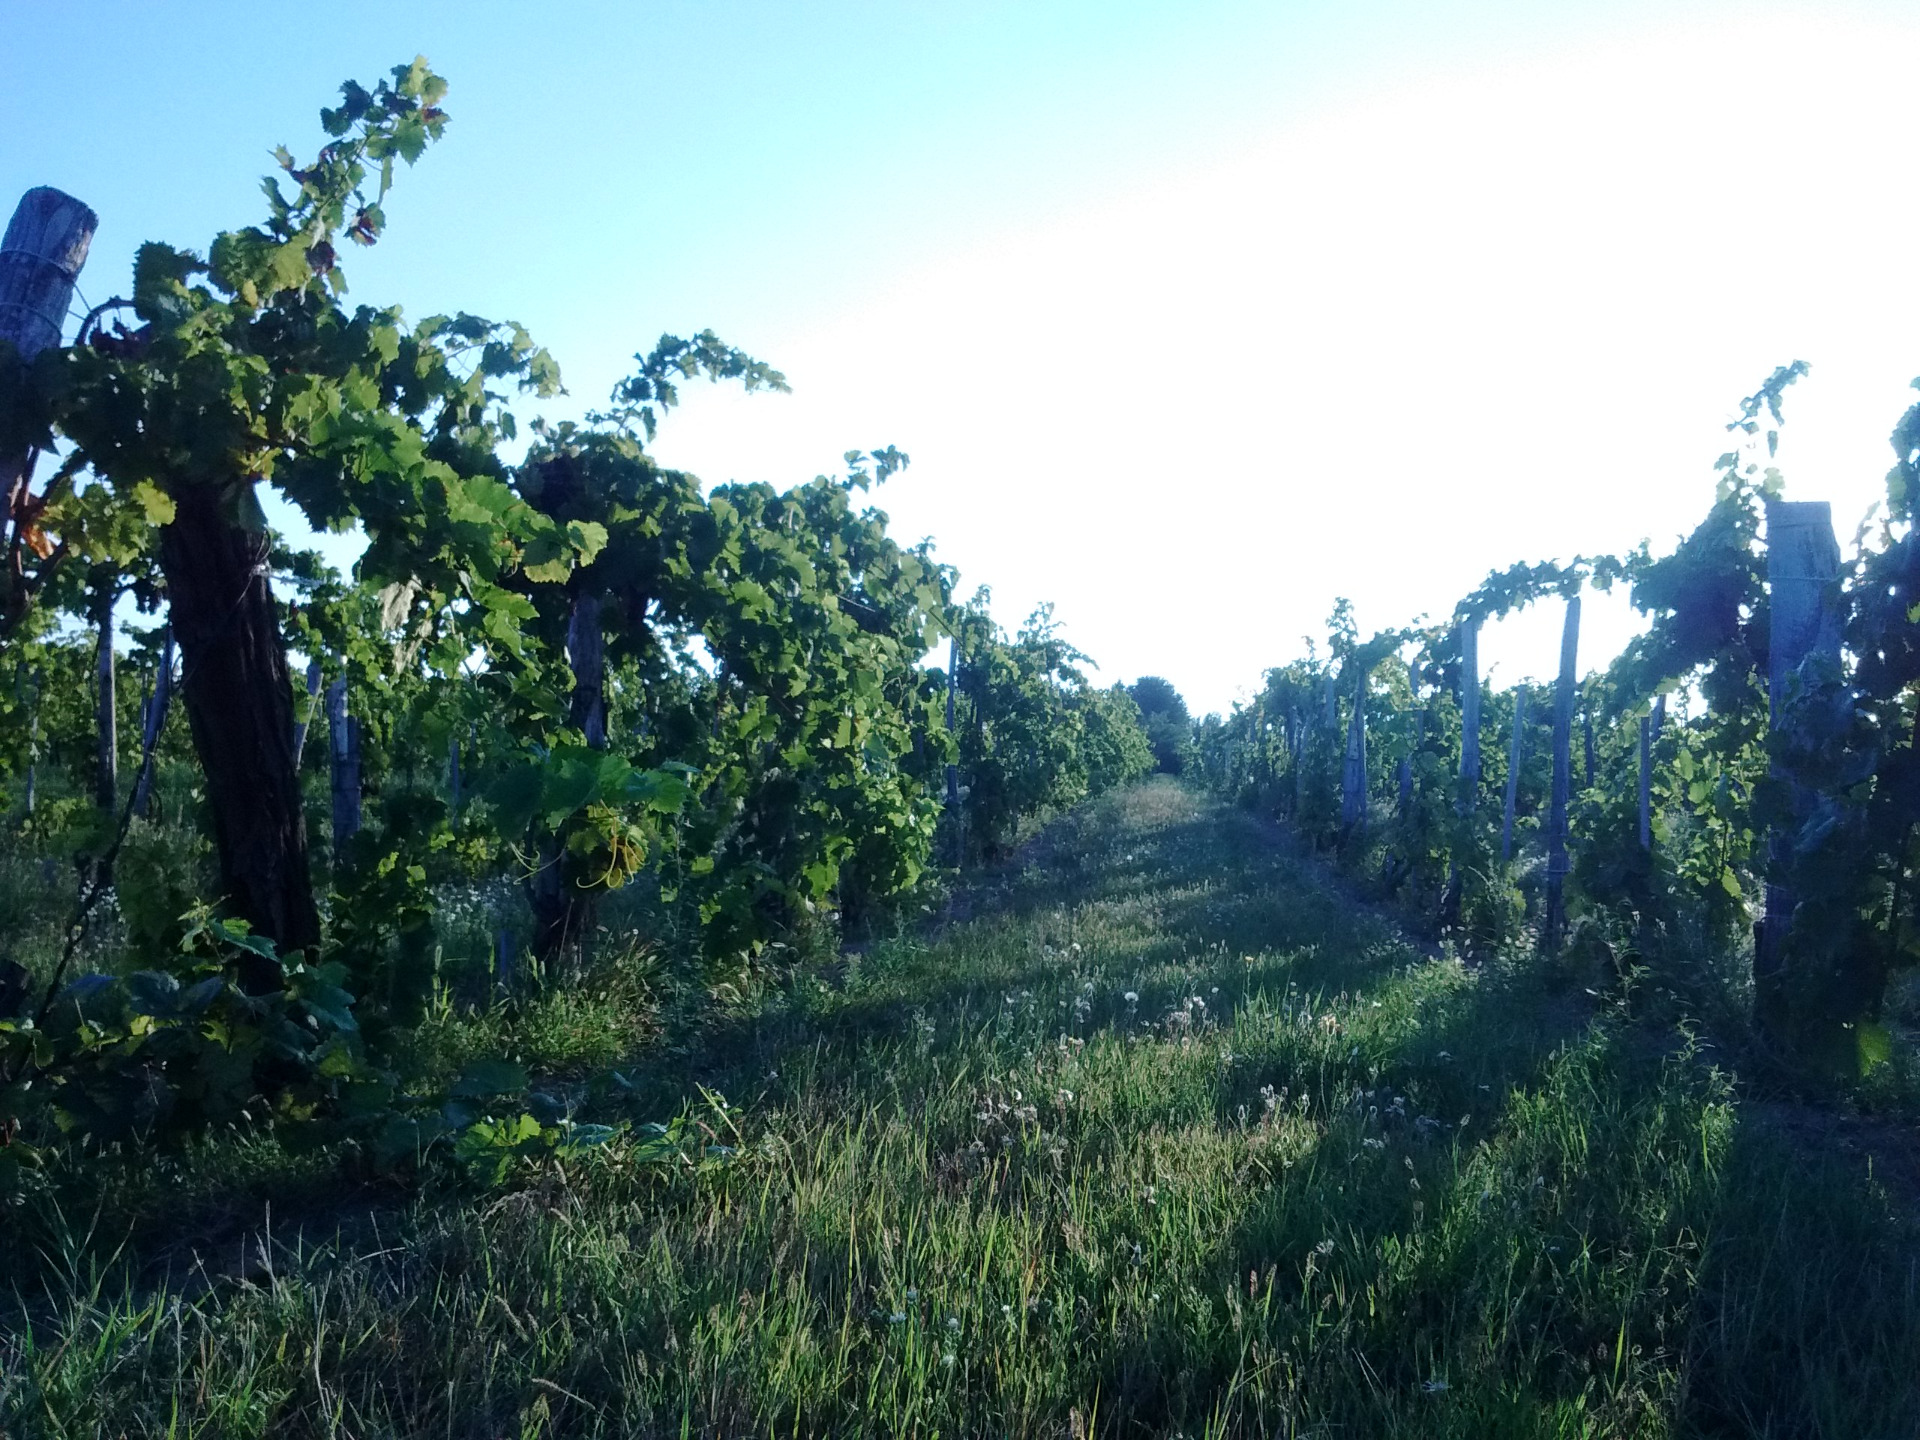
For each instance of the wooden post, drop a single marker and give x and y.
(1557, 862)
(41, 255)
(33, 744)
(953, 769)
(1646, 783)
(306, 721)
(1469, 713)
(106, 770)
(343, 734)
(1353, 775)
(45, 247)
(1803, 569)
(1515, 756)
(154, 722)
(586, 656)
(1406, 762)
(503, 958)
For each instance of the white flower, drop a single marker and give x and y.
(913, 1296)
(953, 1322)
(898, 1317)
(1066, 1097)
(947, 1359)
(1132, 997)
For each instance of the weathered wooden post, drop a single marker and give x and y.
(1646, 783)
(1803, 570)
(343, 734)
(1469, 714)
(1353, 774)
(1515, 755)
(953, 769)
(313, 701)
(33, 745)
(1469, 797)
(1557, 861)
(106, 767)
(504, 954)
(153, 722)
(41, 255)
(586, 651)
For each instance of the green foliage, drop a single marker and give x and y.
(161, 1053)
(1354, 1191)
(1827, 776)
(1169, 727)
(711, 702)
(1032, 739)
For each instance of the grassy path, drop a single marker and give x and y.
(1166, 1139)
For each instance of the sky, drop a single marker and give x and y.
(1192, 318)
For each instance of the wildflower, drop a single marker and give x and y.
(1372, 1144)
(947, 1359)
(913, 1296)
(1434, 1387)
(1132, 997)
(1066, 1097)
(898, 1317)
(953, 1322)
(1324, 1248)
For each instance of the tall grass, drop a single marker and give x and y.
(1167, 1139)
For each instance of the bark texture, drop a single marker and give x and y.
(240, 710)
(1563, 700)
(1803, 571)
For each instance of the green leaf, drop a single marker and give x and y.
(589, 537)
(155, 502)
(547, 558)
(515, 796)
(483, 1079)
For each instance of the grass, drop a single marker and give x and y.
(1167, 1139)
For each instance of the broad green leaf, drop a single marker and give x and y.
(154, 502)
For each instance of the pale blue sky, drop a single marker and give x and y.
(1191, 316)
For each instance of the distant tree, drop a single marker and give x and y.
(1169, 726)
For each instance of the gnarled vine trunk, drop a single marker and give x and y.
(239, 704)
(562, 912)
